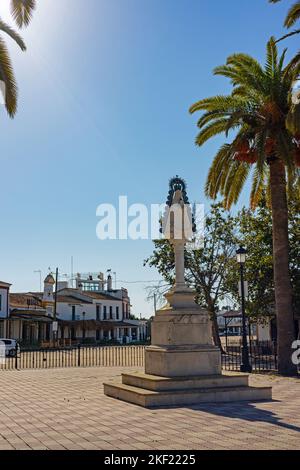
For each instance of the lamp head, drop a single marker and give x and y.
(241, 255)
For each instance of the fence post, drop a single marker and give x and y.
(78, 358)
(16, 357)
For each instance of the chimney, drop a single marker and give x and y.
(101, 281)
(78, 281)
(109, 283)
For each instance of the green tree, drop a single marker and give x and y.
(21, 11)
(260, 114)
(206, 267)
(255, 233)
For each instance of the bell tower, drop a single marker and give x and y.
(48, 295)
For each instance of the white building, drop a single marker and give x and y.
(31, 314)
(230, 322)
(89, 313)
(4, 307)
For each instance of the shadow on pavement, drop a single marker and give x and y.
(246, 411)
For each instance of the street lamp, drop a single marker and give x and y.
(245, 364)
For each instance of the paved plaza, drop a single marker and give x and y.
(66, 409)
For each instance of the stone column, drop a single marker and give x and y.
(129, 334)
(179, 264)
(117, 330)
(36, 332)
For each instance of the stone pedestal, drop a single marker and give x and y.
(182, 361)
(182, 366)
(182, 340)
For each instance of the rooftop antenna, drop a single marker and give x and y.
(72, 271)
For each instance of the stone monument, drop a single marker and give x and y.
(182, 365)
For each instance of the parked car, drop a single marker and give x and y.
(11, 347)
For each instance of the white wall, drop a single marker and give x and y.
(3, 308)
(64, 310)
(263, 332)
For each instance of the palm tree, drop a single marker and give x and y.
(266, 144)
(291, 18)
(21, 11)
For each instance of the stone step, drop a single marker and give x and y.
(150, 398)
(157, 383)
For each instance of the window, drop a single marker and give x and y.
(73, 312)
(110, 313)
(104, 312)
(0, 302)
(98, 312)
(117, 313)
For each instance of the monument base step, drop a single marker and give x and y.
(159, 384)
(222, 391)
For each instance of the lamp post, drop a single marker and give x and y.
(245, 365)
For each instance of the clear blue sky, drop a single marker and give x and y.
(105, 89)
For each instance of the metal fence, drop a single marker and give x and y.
(79, 356)
(262, 357)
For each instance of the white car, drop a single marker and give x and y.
(9, 346)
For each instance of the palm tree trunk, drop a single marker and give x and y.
(282, 283)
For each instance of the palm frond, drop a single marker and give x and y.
(234, 182)
(258, 186)
(212, 129)
(13, 34)
(288, 35)
(218, 103)
(256, 111)
(217, 170)
(293, 15)
(8, 79)
(22, 11)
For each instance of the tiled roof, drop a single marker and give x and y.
(5, 284)
(89, 293)
(23, 300)
(100, 295)
(69, 299)
(96, 323)
(49, 279)
(30, 315)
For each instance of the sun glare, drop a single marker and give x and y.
(5, 14)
